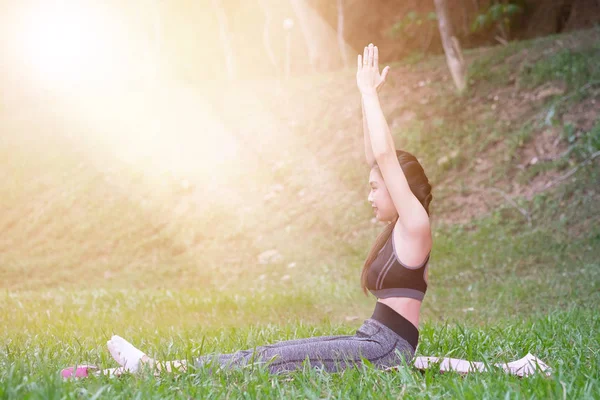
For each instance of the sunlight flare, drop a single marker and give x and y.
(65, 43)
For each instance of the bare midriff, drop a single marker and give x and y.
(407, 307)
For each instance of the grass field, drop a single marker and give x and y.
(163, 245)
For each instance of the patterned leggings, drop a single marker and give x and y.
(372, 341)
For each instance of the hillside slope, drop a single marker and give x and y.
(256, 188)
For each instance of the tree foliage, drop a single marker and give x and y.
(499, 15)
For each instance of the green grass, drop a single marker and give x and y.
(31, 358)
(92, 246)
(592, 139)
(510, 290)
(574, 67)
(491, 68)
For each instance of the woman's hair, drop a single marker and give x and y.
(421, 188)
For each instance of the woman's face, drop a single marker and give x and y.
(380, 198)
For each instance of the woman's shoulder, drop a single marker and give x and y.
(410, 249)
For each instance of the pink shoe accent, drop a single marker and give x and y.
(80, 371)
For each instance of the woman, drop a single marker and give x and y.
(395, 270)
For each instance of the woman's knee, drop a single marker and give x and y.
(397, 356)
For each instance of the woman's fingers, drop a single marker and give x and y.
(384, 73)
(370, 58)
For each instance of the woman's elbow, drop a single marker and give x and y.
(384, 154)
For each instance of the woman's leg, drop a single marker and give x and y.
(372, 341)
(132, 359)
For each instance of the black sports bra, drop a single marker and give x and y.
(388, 277)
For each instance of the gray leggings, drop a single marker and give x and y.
(372, 341)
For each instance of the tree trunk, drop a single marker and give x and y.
(583, 14)
(267, 36)
(300, 9)
(340, 32)
(152, 46)
(464, 19)
(225, 38)
(454, 57)
(317, 36)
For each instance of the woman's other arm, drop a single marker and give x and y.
(381, 141)
(367, 139)
(381, 79)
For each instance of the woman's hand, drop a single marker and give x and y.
(368, 79)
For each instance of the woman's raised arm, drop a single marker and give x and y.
(411, 214)
(367, 137)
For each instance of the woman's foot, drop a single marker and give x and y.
(128, 356)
